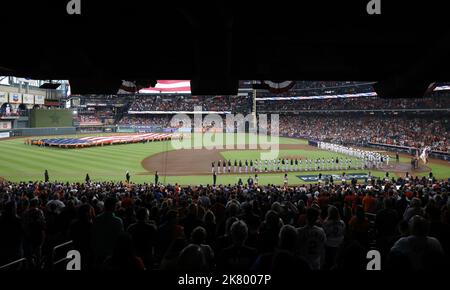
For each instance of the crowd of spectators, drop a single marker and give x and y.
(15, 113)
(89, 120)
(147, 120)
(187, 103)
(410, 131)
(330, 226)
(360, 103)
(417, 131)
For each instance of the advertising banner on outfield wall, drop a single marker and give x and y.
(39, 100)
(28, 99)
(4, 135)
(3, 97)
(5, 125)
(15, 98)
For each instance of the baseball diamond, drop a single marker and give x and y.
(186, 166)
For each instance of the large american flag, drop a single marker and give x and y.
(161, 87)
(126, 138)
(166, 86)
(112, 139)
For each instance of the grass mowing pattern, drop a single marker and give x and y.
(20, 162)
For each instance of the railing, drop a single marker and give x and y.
(59, 262)
(14, 263)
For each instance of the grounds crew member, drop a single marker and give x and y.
(250, 182)
(46, 175)
(127, 176)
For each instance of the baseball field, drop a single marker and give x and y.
(22, 162)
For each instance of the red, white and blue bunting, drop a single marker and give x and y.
(278, 87)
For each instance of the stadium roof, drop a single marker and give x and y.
(217, 42)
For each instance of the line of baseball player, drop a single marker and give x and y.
(372, 159)
(286, 165)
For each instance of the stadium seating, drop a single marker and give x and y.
(156, 226)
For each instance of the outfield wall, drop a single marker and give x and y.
(43, 118)
(42, 131)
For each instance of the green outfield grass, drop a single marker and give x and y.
(20, 162)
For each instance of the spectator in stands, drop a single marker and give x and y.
(386, 219)
(238, 257)
(334, 229)
(12, 234)
(144, 236)
(284, 258)
(80, 232)
(67, 215)
(369, 203)
(191, 221)
(105, 231)
(169, 231)
(225, 240)
(359, 227)
(123, 257)
(312, 240)
(269, 231)
(198, 237)
(351, 257)
(386, 222)
(170, 259)
(437, 228)
(415, 208)
(421, 251)
(59, 205)
(209, 223)
(253, 222)
(34, 227)
(192, 259)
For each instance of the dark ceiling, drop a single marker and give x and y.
(227, 40)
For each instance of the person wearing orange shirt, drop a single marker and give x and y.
(369, 203)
